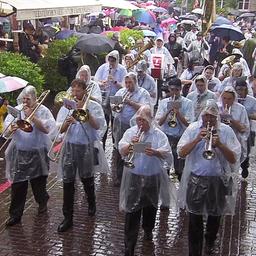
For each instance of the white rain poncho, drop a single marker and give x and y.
(122, 119)
(82, 153)
(209, 186)
(26, 155)
(186, 110)
(148, 182)
(238, 112)
(96, 92)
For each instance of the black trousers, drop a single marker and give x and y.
(196, 232)
(19, 193)
(178, 163)
(69, 194)
(110, 119)
(119, 165)
(132, 226)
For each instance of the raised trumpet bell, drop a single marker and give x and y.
(209, 154)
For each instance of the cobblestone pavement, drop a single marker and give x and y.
(103, 234)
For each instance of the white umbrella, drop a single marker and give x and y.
(198, 11)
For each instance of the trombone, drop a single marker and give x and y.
(119, 107)
(129, 163)
(81, 115)
(208, 153)
(25, 124)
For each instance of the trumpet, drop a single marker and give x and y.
(129, 163)
(208, 153)
(173, 120)
(119, 107)
(24, 124)
(227, 110)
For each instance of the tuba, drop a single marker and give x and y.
(25, 124)
(129, 162)
(208, 153)
(139, 57)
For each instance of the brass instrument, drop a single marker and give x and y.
(208, 153)
(238, 44)
(129, 163)
(230, 60)
(227, 110)
(139, 57)
(82, 114)
(25, 124)
(60, 96)
(173, 120)
(119, 107)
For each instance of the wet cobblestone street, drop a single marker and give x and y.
(103, 234)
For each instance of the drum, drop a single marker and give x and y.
(157, 71)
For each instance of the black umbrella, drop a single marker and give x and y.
(246, 15)
(226, 30)
(50, 31)
(95, 43)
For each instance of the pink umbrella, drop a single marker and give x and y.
(120, 28)
(168, 22)
(11, 83)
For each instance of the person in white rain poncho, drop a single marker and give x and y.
(143, 183)
(26, 155)
(235, 115)
(133, 98)
(79, 155)
(249, 102)
(208, 187)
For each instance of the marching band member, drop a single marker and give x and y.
(128, 60)
(146, 81)
(235, 115)
(168, 59)
(79, 156)
(178, 109)
(26, 155)
(84, 73)
(207, 188)
(134, 97)
(110, 76)
(200, 95)
(249, 103)
(142, 185)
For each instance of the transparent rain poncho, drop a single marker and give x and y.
(82, 152)
(209, 186)
(26, 155)
(148, 181)
(238, 112)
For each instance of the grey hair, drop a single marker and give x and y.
(28, 90)
(132, 76)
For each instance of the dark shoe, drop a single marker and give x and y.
(148, 236)
(42, 208)
(164, 208)
(209, 247)
(92, 209)
(65, 225)
(245, 173)
(12, 221)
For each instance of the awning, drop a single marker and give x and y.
(120, 4)
(38, 9)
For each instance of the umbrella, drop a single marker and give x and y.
(11, 83)
(142, 27)
(188, 17)
(95, 43)
(51, 31)
(64, 34)
(190, 22)
(159, 10)
(125, 12)
(221, 20)
(246, 15)
(149, 33)
(234, 33)
(198, 11)
(144, 16)
(169, 21)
